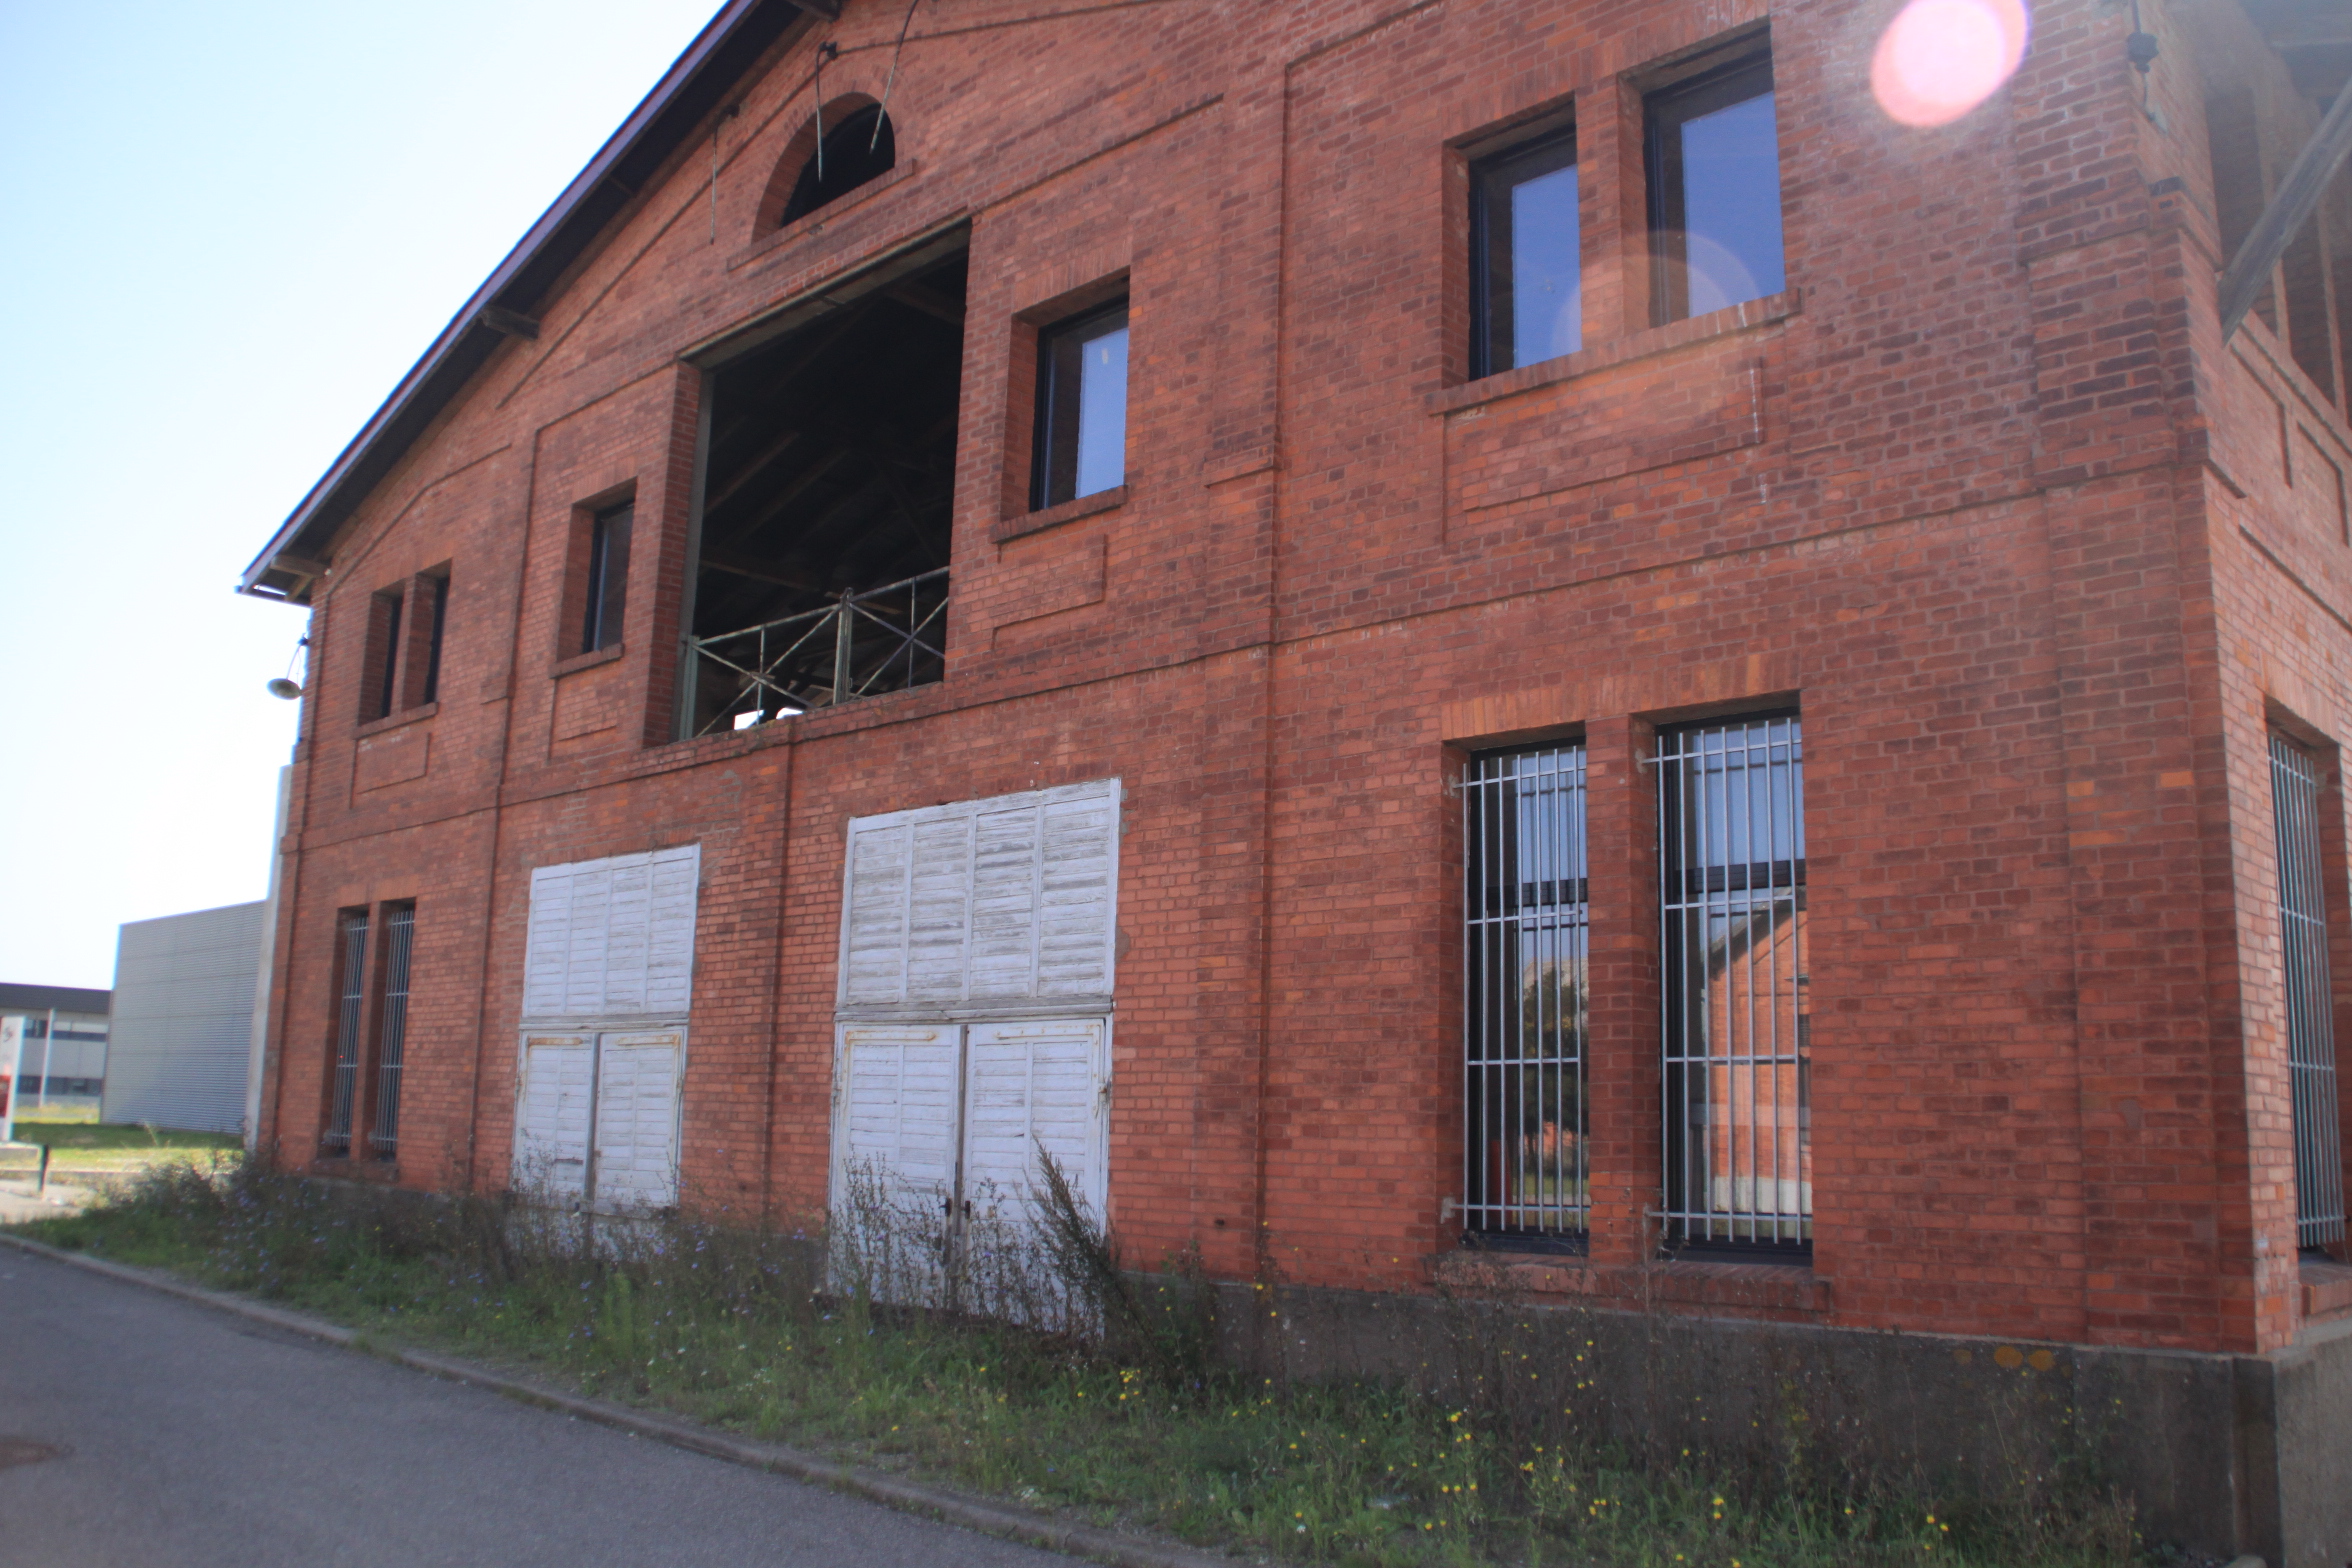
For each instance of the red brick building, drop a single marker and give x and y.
(1406, 626)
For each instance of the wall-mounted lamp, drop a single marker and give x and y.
(286, 686)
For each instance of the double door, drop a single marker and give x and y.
(597, 1122)
(951, 1120)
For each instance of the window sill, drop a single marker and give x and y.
(814, 222)
(2327, 1290)
(1022, 524)
(587, 661)
(393, 721)
(1624, 350)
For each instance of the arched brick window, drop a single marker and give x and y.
(860, 145)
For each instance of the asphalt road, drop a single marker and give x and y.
(196, 1439)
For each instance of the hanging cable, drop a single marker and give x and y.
(890, 81)
(828, 50)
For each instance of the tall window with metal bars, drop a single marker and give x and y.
(363, 1081)
(350, 1012)
(2295, 788)
(1731, 828)
(1524, 956)
(392, 1029)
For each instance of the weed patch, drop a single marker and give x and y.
(1089, 1387)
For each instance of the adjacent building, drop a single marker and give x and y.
(183, 1018)
(63, 1056)
(1408, 633)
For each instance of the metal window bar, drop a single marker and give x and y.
(1738, 1134)
(1525, 945)
(345, 1085)
(392, 1031)
(889, 639)
(2303, 955)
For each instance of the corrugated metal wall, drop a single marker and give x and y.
(183, 1018)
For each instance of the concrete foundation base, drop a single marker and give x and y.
(2221, 1455)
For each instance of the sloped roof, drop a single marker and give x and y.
(510, 298)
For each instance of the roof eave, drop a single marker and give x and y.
(292, 563)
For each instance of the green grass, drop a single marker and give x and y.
(80, 1111)
(108, 1146)
(725, 1326)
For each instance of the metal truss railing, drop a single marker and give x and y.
(885, 639)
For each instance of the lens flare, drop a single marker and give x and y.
(1938, 59)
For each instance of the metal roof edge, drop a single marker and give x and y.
(463, 345)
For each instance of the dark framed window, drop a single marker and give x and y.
(1524, 964)
(350, 1018)
(861, 147)
(1526, 255)
(440, 613)
(1713, 151)
(608, 578)
(1731, 860)
(392, 1029)
(1081, 408)
(2296, 783)
(383, 688)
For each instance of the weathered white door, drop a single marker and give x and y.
(1037, 1086)
(553, 1117)
(897, 1089)
(637, 1120)
(984, 906)
(895, 1109)
(612, 938)
(961, 923)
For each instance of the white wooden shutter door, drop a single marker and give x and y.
(939, 911)
(1077, 894)
(896, 1107)
(1034, 1085)
(669, 960)
(590, 924)
(628, 935)
(547, 951)
(637, 1120)
(874, 915)
(613, 938)
(552, 1117)
(1004, 899)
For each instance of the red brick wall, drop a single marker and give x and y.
(1982, 491)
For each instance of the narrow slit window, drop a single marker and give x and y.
(392, 1029)
(350, 1013)
(2295, 786)
(1525, 947)
(383, 689)
(608, 578)
(1527, 265)
(1082, 408)
(2311, 325)
(1714, 170)
(440, 614)
(1731, 818)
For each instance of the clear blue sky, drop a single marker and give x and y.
(225, 231)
